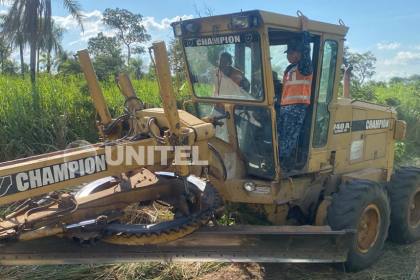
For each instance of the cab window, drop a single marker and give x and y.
(325, 93)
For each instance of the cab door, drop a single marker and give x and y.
(326, 94)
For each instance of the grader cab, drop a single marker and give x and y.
(334, 206)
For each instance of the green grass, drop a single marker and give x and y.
(57, 111)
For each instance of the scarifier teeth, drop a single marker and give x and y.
(203, 218)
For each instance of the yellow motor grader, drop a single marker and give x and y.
(336, 204)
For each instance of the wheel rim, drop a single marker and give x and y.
(368, 228)
(414, 210)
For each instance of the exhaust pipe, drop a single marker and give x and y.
(346, 81)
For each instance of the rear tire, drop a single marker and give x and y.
(404, 192)
(362, 205)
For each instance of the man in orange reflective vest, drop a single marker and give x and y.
(296, 94)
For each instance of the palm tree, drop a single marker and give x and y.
(48, 43)
(16, 39)
(5, 52)
(54, 43)
(24, 16)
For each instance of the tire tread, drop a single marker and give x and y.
(400, 188)
(345, 210)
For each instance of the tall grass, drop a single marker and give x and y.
(56, 111)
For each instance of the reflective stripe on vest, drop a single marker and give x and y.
(305, 82)
(296, 87)
(297, 97)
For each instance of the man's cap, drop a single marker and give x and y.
(293, 47)
(275, 76)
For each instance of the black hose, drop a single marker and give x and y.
(138, 136)
(219, 157)
(132, 98)
(131, 128)
(158, 139)
(113, 124)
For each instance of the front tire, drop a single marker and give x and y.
(362, 205)
(404, 191)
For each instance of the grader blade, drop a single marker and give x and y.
(227, 244)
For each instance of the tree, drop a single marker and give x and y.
(5, 52)
(15, 40)
(49, 43)
(103, 45)
(363, 64)
(46, 60)
(107, 56)
(176, 61)
(61, 57)
(11, 67)
(395, 80)
(205, 10)
(66, 65)
(363, 70)
(414, 78)
(24, 16)
(151, 75)
(137, 68)
(129, 28)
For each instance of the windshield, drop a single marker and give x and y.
(227, 67)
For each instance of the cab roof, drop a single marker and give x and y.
(269, 18)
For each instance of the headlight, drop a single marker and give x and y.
(178, 30)
(243, 22)
(249, 186)
(240, 22)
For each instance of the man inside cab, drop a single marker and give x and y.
(229, 80)
(227, 71)
(296, 94)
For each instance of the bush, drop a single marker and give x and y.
(405, 98)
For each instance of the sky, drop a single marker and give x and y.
(390, 31)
